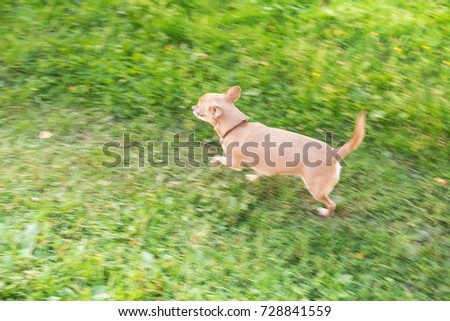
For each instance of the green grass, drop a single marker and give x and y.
(71, 229)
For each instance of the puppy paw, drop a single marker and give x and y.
(322, 212)
(251, 177)
(216, 161)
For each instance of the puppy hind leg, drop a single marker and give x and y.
(320, 191)
(331, 206)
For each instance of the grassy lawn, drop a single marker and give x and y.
(89, 71)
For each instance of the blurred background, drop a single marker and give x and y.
(77, 74)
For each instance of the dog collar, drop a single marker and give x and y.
(230, 130)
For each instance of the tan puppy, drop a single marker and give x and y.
(271, 151)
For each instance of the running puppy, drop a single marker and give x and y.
(271, 151)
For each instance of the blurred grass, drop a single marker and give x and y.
(88, 71)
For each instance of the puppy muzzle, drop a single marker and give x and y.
(194, 111)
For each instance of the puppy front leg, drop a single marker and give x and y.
(218, 160)
(253, 177)
(223, 160)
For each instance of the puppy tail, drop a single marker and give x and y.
(357, 138)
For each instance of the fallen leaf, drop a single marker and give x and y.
(358, 256)
(104, 183)
(338, 32)
(29, 273)
(45, 134)
(345, 278)
(441, 181)
(148, 259)
(86, 136)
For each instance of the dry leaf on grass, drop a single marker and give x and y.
(45, 134)
(441, 181)
(86, 136)
(104, 183)
(358, 256)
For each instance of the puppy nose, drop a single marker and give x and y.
(193, 107)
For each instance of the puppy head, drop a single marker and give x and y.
(212, 106)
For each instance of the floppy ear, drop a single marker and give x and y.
(215, 111)
(233, 94)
